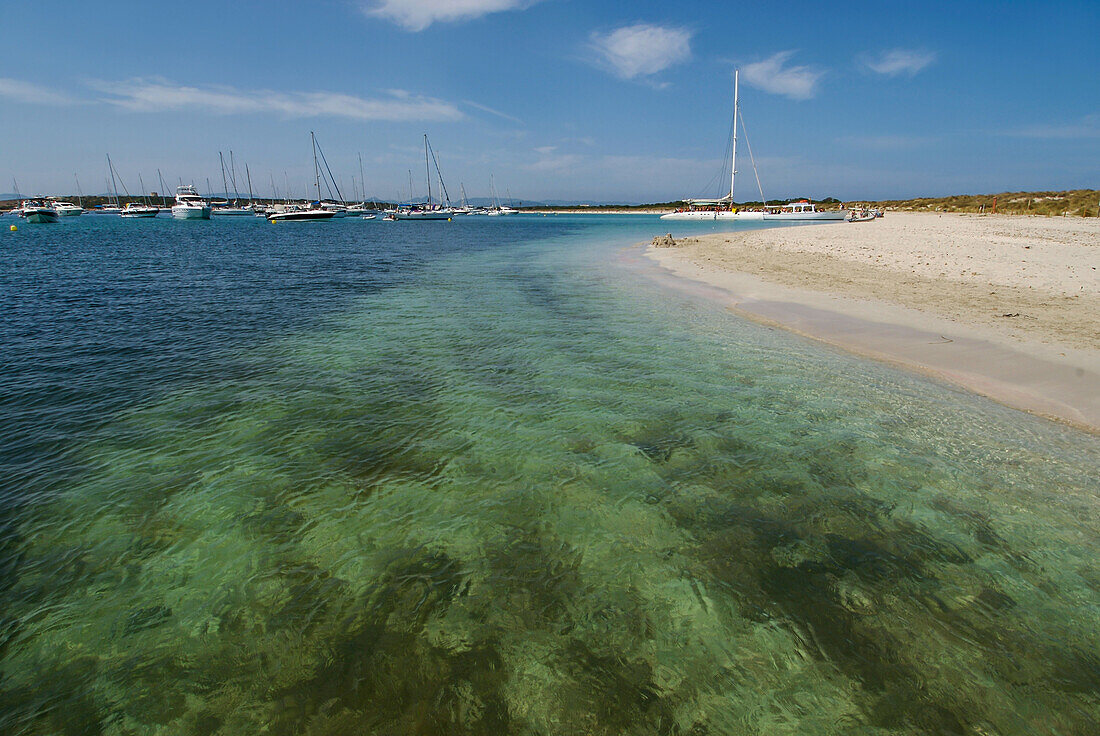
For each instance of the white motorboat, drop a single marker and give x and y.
(311, 214)
(315, 211)
(134, 209)
(722, 208)
(189, 205)
(231, 211)
(804, 211)
(67, 209)
(37, 211)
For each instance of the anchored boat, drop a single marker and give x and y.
(37, 211)
(189, 205)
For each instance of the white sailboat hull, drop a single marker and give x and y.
(430, 215)
(66, 212)
(713, 216)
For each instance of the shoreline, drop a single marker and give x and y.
(874, 293)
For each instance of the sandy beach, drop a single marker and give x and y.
(1006, 306)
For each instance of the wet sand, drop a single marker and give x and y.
(1005, 306)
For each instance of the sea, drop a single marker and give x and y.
(494, 476)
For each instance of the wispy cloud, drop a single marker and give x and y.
(548, 159)
(14, 89)
(642, 49)
(157, 95)
(772, 75)
(491, 111)
(899, 61)
(1087, 127)
(416, 15)
(885, 142)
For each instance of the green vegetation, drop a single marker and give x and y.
(1078, 202)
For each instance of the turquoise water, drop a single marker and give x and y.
(485, 477)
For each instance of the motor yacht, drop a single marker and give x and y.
(189, 205)
(37, 211)
(67, 209)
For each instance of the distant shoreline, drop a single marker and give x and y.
(1006, 307)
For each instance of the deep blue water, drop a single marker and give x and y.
(482, 477)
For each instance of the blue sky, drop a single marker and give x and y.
(557, 99)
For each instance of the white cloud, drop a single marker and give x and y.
(642, 49)
(771, 75)
(1087, 127)
(416, 15)
(157, 95)
(13, 89)
(900, 61)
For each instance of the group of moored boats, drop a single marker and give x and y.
(190, 205)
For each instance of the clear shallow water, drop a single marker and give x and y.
(477, 477)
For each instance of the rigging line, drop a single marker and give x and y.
(748, 145)
(446, 196)
(320, 151)
(722, 174)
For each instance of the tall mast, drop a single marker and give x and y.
(427, 170)
(733, 163)
(225, 186)
(163, 190)
(79, 194)
(233, 178)
(141, 183)
(316, 171)
(114, 187)
(249, 177)
(362, 181)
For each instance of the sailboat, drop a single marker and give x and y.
(315, 211)
(112, 207)
(225, 209)
(134, 209)
(722, 208)
(428, 210)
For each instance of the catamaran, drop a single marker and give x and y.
(723, 208)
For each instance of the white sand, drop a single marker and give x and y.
(1008, 306)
